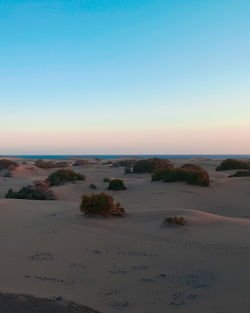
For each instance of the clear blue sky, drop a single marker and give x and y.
(124, 76)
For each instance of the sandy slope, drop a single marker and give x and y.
(135, 264)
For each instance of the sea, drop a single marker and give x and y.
(116, 156)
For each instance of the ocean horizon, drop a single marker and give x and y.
(116, 156)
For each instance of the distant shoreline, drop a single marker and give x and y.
(116, 156)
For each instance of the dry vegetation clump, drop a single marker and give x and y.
(191, 166)
(176, 220)
(124, 163)
(241, 174)
(50, 164)
(63, 176)
(7, 164)
(100, 204)
(92, 186)
(32, 192)
(232, 164)
(116, 184)
(107, 180)
(82, 163)
(150, 165)
(191, 176)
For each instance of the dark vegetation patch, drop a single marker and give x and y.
(51, 164)
(100, 204)
(124, 163)
(232, 164)
(193, 174)
(82, 163)
(191, 166)
(175, 220)
(38, 191)
(117, 184)
(63, 176)
(151, 165)
(107, 180)
(241, 174)
(92, 186)
(7, 164)
(13, 303)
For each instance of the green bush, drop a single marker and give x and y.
(63, 176)
(241, 174)
(117, 184)
(194, 177)
(102, 204)
(232, 164)
(31, 193)
(151, 165)
(7, 164)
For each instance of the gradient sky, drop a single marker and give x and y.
(124, 76)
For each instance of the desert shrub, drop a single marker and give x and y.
(232, 164)
(176, 220)
(31, 193)
(102, 204)
(92, 186)
(42, 184)
(107, 180)
(124, 163)
(7, 164)
(63, 176)
(151, 165)
(241, 174)
(82, 163)
(50, 164)
(191, 166)
(194, 177)
(117, 184)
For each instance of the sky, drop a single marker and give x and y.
(124, 77)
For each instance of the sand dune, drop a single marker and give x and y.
(136, 264)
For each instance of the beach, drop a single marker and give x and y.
(136, 263)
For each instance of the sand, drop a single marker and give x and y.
(135, 264)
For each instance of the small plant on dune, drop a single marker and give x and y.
(191, 166)
(117, 184)
(241, 174)
(7, 164)
(92, 186)
(31, 192)
(191, 176)
(107, 180)
(232, 164)
(150, 165)
(124, 163)
(100, 204)
(175, 220)
(63, 176)
(50, 164)
(82, 163)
